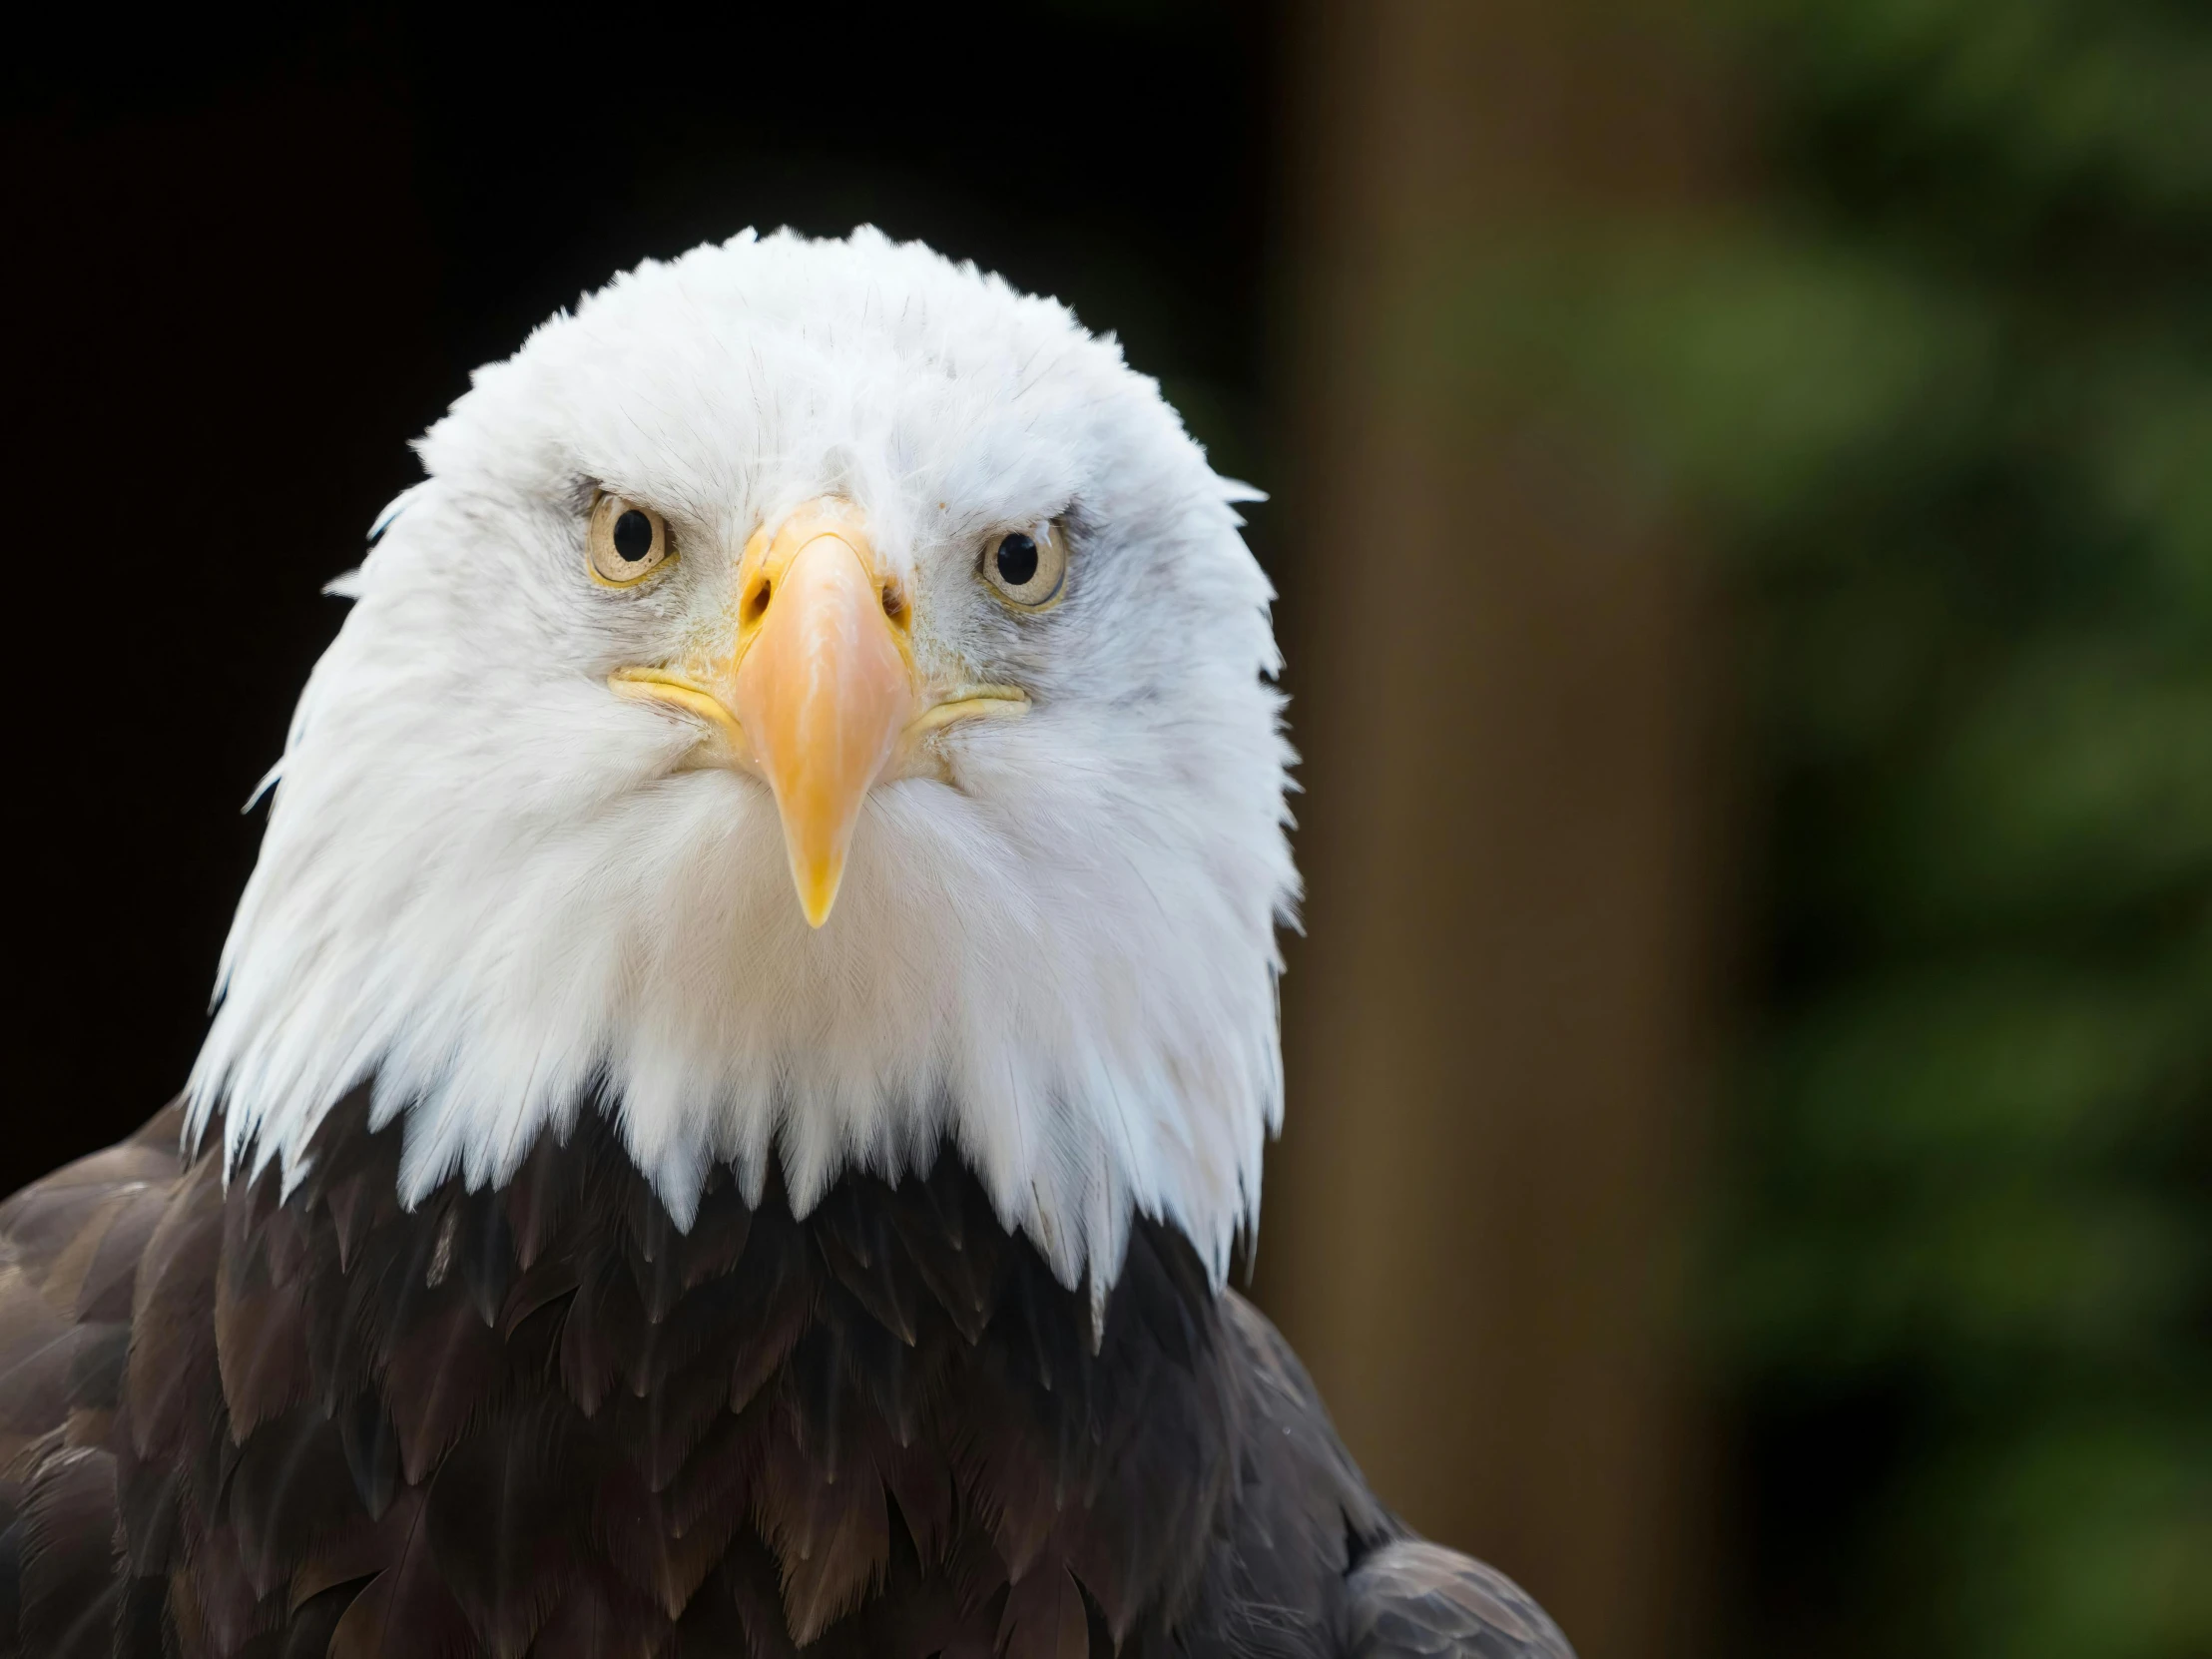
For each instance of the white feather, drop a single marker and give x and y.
(488, 883)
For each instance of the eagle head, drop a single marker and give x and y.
(815, 710)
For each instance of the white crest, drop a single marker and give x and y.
(488, 884)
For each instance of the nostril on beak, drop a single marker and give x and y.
(755, 604)
(894, 602)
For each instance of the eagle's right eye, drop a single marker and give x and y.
(629, 541)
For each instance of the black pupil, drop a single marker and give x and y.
(634, 536)
(1017, 559)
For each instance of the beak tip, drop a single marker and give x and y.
(818, 893)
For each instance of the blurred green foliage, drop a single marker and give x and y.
(1949, 399)
(1943, 391)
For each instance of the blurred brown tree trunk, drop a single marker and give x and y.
(1496, 1027)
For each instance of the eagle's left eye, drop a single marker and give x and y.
(629, 541)
(1027, 571)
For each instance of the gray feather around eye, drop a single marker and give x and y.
(1418, 1600)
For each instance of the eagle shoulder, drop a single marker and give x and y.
(1412, 1599)
(540, 1417)
(70, 1248)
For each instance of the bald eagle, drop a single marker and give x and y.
(742, 1063)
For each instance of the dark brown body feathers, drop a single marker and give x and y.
(544, 1421)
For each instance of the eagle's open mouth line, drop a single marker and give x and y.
(1001, 702)
(674, 690)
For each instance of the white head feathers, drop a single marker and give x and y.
(489, 884)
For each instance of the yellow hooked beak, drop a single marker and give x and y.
(818, 695)
(825, 686)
